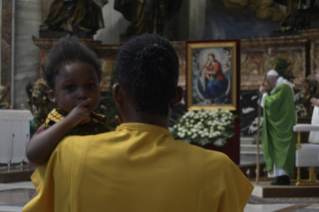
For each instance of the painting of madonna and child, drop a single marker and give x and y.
(211, 76)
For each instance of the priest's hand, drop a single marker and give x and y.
(314, 102)
(262, 89)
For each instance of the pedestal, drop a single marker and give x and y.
(16, 173)
(264, 189)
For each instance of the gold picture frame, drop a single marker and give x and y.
(212, 75)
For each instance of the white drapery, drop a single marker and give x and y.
(14, 134)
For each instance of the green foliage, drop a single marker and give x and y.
(281, 67)
(204, 127)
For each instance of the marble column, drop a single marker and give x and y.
(197, 19)
(189, 22)
(28, 19)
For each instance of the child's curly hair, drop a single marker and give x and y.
(68, 50)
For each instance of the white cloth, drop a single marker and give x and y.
(276, 172)
(307, 156)
(14, 131)
(314, 135)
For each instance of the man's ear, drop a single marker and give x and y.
(117, 93)
(51, 95)
(178, 96)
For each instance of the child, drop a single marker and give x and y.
(73, 74)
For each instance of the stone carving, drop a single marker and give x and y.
(39, 102)
(3, 93)
(264, 10)
(80, 17)
(299, 14)
(146, 16)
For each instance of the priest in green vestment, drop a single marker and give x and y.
(278, 138)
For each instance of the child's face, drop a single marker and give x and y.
(74, 84)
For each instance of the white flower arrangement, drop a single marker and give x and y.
(204, 127)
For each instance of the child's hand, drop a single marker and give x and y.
(79, 115)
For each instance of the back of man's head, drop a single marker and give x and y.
(147, 68)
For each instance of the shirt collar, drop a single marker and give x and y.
(279, 80)
(143, 127)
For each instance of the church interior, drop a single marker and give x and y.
(233, 57)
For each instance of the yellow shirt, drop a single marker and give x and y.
(137, 168)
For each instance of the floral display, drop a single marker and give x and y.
(205, 126)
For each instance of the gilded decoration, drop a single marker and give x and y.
(211, 75)
(258, 56)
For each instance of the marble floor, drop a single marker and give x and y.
(13, 196)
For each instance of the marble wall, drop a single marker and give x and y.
(26, 67)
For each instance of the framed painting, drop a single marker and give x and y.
(212, 69)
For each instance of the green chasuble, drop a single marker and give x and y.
(278, 138)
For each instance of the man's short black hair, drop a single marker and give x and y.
(148, 68)
(68, 50)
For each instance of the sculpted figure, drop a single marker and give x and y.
(75, 15)
(299, 14)
(3, 92)
(147, 16)
(39, 102)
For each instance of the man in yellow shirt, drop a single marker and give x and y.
(140, 167)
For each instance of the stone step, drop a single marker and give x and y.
(246, 140)
(250, 159)
(250, 153)
(250, 145)
(250, 148)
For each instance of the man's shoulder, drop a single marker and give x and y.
(207, 157)
(283, 87)
(68, 142)
(79, 138)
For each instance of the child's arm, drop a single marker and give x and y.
(42, 145)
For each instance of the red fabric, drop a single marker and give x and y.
(219, 74)
(216, 67)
